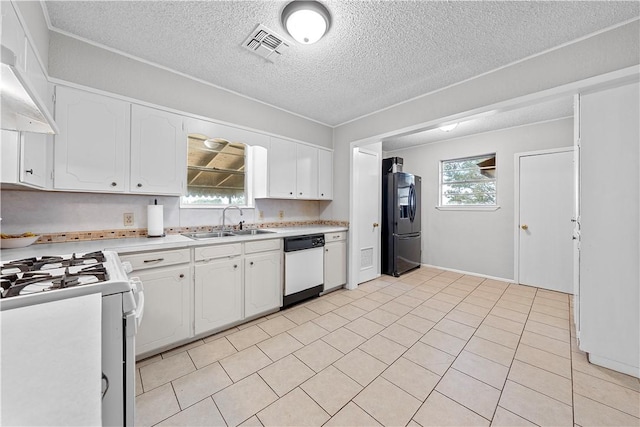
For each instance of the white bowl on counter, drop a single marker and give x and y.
(18, 242)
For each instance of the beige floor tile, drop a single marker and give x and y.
(401, 334)
(557, 296)
(504, 324)
(318, 355)
(504, 418)
(509, 314)
(286, 374)
(381, 317)
(490, 350)
(330, 321)
(406, 284)
(482, 293)
(580, 363)
(360, 366)
(251, 422)
(279, 346)
(447, 297)
(307, 332)
(350, 312)
(148, 361)
(412, 378)
(367, 304)
(507, 296)
(464, 318)
(356, 293)
(245, 338)
(435, 304)
(455, 291)
(321, 306)
(383, 349)
(456, 329)
(211, 352)
(482, 369)
(591, 413)
(387, 403)
(338, 299)
(481, 302)
(343, 339)
(439, 410)
(380, 297)
(294, 409)
(155, 406)
(352, 416)
(562, 313)
(418, 294)
(331, 389)
(430, 358)
(549, 320)
(243, 399)
(418, 324)
(613, 395)
(197, 385)
(165, 370)
(411, 280)
(221, 334)
(182, 348)
(541, 342)
(428, 313)
(544, 360)
(300, 315)
(475, 395)
(245, 363)
(202, 414)
(138, 383)
(522, 290)
(498, 336)
(534, 406)
(277, 325)
(442, 341)
(396, 308)
(511, 305)
(545, 382)
(473, 309)
(547, 330)
(409, 301)
(364, 327)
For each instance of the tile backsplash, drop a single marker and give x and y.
(89, 215)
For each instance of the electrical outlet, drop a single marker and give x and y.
(128, 219)
(281, 214)
(260, 214)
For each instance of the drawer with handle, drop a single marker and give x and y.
(335, 237)
(145, 260)
(217, 251)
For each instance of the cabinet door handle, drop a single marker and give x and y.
(29, 171)
(251, 263)
(235, 265)
(153, 260)
(139, 185)
(326, 250)
(322, 194)
(291, 192)
(113, 184)
(181, 276)
(301, 193)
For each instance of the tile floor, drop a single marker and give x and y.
(430, 348)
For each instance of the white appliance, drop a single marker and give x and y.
(40, 285)
(303, 267)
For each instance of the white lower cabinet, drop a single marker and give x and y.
(262, 282)
(335, 260)
(218, 293)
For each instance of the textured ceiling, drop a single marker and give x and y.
(376, 53)
(544, 111)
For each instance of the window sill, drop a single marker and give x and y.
(468, 208)
(220, 207)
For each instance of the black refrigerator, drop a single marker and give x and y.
(401, 234)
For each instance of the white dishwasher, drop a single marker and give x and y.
(303, 267)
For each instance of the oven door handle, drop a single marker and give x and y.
(134, 318)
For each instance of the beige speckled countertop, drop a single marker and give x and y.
(140, 244)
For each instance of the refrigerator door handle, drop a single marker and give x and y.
(412, 202)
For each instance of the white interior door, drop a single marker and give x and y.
(545, 214)
(367, 194)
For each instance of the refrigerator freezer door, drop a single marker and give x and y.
(407, 253)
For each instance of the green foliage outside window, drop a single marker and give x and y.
(468, 182)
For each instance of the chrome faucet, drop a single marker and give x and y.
(225, 211)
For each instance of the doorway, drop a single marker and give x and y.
(544, 211)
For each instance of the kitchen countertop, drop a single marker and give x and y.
(141, 244)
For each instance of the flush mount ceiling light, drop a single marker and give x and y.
(448, 128)
(306, 21)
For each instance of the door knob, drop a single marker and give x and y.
(524, 226)
(375, 224)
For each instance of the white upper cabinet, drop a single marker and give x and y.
(158, 151)
(325, 175)
(306, 172)
(26, 159)
(91, 150)
(38, 79)
(282, 169)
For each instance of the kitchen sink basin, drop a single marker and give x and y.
(250, 232)
(208, 235)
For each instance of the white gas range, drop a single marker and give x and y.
(49, 295)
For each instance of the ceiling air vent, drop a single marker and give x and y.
(266, 43)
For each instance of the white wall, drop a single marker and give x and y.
(79, 62)
(35, 25)
(605, 52)
(55, 212)
(477, 241)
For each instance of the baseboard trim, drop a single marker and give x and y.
(502, 279)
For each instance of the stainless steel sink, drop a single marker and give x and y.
(250, 232)
(207, 235)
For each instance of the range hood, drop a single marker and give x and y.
(21, 106)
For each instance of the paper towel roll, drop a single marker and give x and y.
(155, 221)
